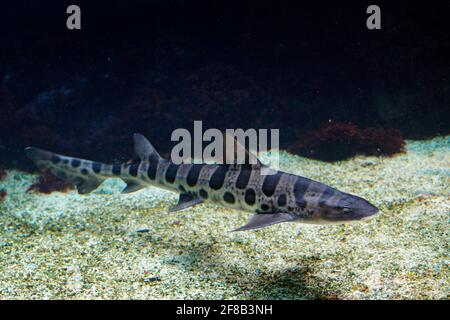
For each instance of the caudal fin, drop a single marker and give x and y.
(84, 174)
(87, 175)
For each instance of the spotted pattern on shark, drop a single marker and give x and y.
(273, 198)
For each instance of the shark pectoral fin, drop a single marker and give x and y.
(132, 186)
(186, 200)
(262, 220)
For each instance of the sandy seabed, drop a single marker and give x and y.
(69, 246)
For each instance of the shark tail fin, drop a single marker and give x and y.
(84, 174)
(87, 175)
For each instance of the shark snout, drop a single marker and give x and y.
(363, 210)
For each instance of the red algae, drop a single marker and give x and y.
(377, 141)
(331, 141)
(3, 174)
(340, 140)
(3, 194)
(48, 183)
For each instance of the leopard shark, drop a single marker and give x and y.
(272, 198)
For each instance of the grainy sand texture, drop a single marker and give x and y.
(107, 245)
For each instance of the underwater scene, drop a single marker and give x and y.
(117, 180)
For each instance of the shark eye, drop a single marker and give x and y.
(346, 210)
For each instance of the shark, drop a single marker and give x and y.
(273, 198)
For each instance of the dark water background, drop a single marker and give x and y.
(154, 66)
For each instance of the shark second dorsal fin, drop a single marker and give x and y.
(144, 150)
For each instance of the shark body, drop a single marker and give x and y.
(274, 198)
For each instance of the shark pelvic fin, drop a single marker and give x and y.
(85, 185)
(262, 220)
(132, 186)
(186, 200)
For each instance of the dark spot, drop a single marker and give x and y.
(181, 188)
(151, 171)
(193, 174)
(84, 171)
(326, 194)
(270, 184)
(55, 159)
(264, 207)
(152, 279)
(171, 172)
(134, 170)
(300, 187)
(3, 194)
(96, 167)
(250, 197)
(244, 177)
(228, 197)
(76, 163)
(203, 194)
(116, 169)
(282, 200)
(218, 177)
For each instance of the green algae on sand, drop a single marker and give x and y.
(69, 246)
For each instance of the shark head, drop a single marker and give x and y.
(344, 208)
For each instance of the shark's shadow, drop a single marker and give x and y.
(290, 283)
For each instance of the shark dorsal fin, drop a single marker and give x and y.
(144, 150)
(236, 153)
(227, 148)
